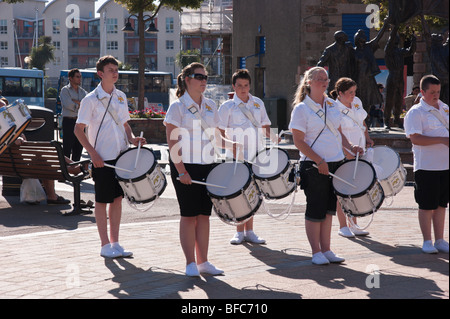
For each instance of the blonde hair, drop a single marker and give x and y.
(188, 70)
(304, 87)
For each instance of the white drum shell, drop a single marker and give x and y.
(271, 172)
(147, 189)
(365, 204)
(391, 173)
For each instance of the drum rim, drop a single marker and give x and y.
(240, 219)
(281, 196)
(376, 207)
(274, 176)
(18, 131)
(399, 160)
(8, 135)
(143, 176)
(238, 192)
(362, 192)
(150, 199)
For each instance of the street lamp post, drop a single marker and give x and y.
(142, 19)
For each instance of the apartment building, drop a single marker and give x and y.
(81, 34)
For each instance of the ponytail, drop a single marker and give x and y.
(304, 87)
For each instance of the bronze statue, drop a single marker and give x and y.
(395, 62)
(439, 63)
(340, 59)
(367, 68)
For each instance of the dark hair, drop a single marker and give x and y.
(188, 70)
(73, 72)
(428, 80)
(241, 74)
(107, 59)
(342, 85)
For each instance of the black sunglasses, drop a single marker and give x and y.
(199, 76)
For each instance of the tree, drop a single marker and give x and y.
(187, 57)
(138, 7)
(43, 54)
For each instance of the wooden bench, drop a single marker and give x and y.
(43, 160)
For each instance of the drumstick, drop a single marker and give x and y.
(138, 150)
(337, 177)
(119, 168)
(356, 163)
(206, 184)
(236, 162)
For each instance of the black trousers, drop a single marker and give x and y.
(71, 146)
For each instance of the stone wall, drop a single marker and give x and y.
(154, 129)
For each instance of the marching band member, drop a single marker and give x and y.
(315, 125)
(244, 119)
(192, 148)
(426, 124)
(355, 130)
(104, 112)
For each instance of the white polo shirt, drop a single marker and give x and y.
(195, 145)
(111, 139)
(353, 131)
(328, 146)
(419, 120)
(240, 129)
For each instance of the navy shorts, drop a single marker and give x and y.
(431, 189)
(106, 186)
(193, 199)
(320, 197)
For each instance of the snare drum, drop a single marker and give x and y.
(21, 116)
(146, 182)
(7, 126)
(368, 195)
(391, 173)
(271, 170)
(241, 198)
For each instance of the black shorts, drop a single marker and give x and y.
(431, 189)
(193, 199)
(320, 197)
(106, 186)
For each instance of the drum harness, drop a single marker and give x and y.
(114, 116)
(323, 115)
(285, 214)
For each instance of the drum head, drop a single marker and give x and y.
(386, 159)
(365, 177)
(127, 161)
(270, 162)
(224, 175)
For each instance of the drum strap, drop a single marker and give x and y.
(114, 117)
(248, 114)
(320, 113)
(205, 127)
(347, 113)
(439, 116)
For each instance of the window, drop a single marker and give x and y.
(57, 45)
(3, 45)
(3, 26)
(56, 26)
(57, 60)
(169, 25)
(112, 45)
(111, 26)
(3, 61)
(170, 61)
(169, 45)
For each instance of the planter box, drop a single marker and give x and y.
(154, 129)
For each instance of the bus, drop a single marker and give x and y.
(157, 85)
(25, 84)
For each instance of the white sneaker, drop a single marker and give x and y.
(251, 237)
(121, 250)
(320, 259)
(346, 232)
(428, 247)
(109, 252)
(192, 270)
(359, 232)
(237, 239)
(208, 268)
(441, 245)
(332, 257)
